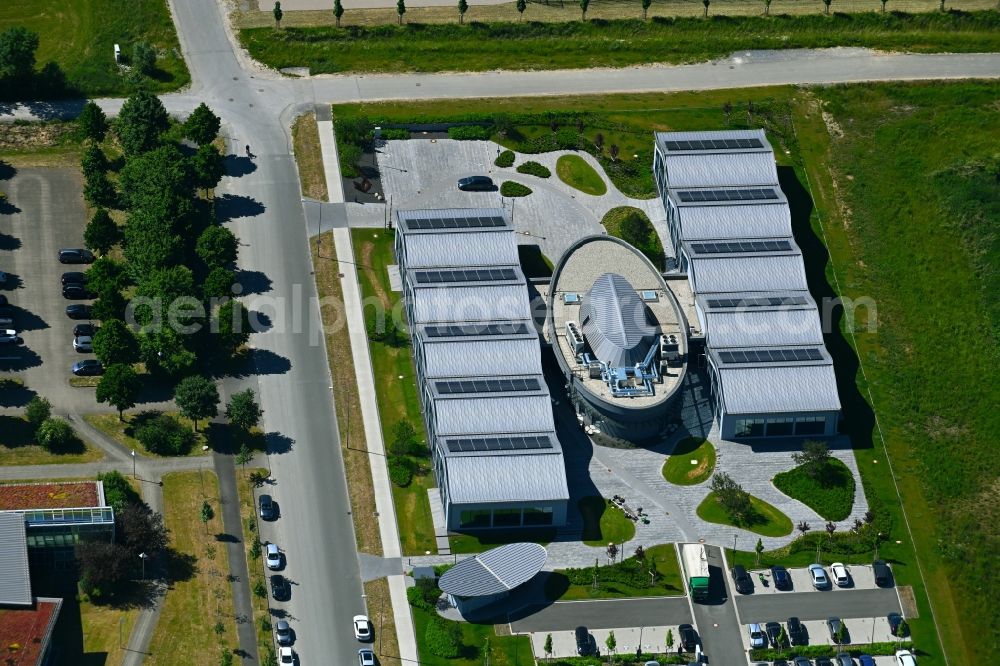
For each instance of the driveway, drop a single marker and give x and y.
(606, 614)
(817, 605)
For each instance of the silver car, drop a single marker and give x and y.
(83, 344)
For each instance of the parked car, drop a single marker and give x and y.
(741, 579)
(280, 589)
(84, 329)
(895, 622)
(757, 637)
(83, 344)
(844, 659)
(688, 637)
(840, 575)
(866, 660)
(8, 336)
(78, 311)
(582, 641)
(268, 509)
(774, 635)
(823, 661)
(272, 556)
(818, 575)
(74, 277)
(796, 631)
(366, 657)
(782, 581)
(286, 655)
(905, 658)
(476, 184)
(76, 291)
(76, 256)
(837, 630)
(6, 321)
(362, 628)
(801, 661)
(90, 367)
(283, 632)
(883, 574)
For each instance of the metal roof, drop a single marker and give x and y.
(510, 478)
(435, 277)
(763, 328)
(470, 303)
(459, 415)
(615, 322)
(473, 358)
(758, 301)
(713, 141)
(470, 330)
(747, 274)
(447, 220)
(469, 248)
(495, 571)
(740, 247)
(498, 444)
(743, 169)
(779, 389)
(492, 385)
(15, 579)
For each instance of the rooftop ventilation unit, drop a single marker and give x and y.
(574, 337)
(649, 296)
(571, 299)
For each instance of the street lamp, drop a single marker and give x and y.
(143, 556)
(133, 463)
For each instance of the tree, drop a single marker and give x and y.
(635, 229)
(207, 513)
(94, 161)
(38, 411)
(612, 551)
(645, 8)
(159, 181)
(463, 7)
(105, 273)
(232, 323)
(443, 638)
(613, 150)
(109, 304)
(731, 496)
(584, 4)
(548, 646)
(150, 243)
(611, 642)
(521, 6)
(92, 123)
(143, 58)
(243, 410)
(218, 283)
(226, 658)
(767, 7)
(803, 527)
(244, 456)
(814, 458)
(404, 439)
(277, 14)
(831, 527)
(119, 387)
(117, 491)
(55, 435)
(599, 142)
(669, 640)
(197, 398)
(640, 553)
(114, 342)
(706, 3)
(826, 5)
(101, 233)
(202, 126)
(103, 567)
(759, 549)
(883, 5)
(217, 246)
(165, 351)
(141, 122)
(17, 53)
(400, 10)
(99, 192)
(338, 11)
(141, 530)
(727, 109)
(160, 296)
(209, 166)
(165, 436)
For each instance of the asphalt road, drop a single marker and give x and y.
(606, 614)
(716, 619)
(818, 605)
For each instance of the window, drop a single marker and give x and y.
(779, 427)
(474, 518)
(538, 516)
(507, 518)
(810, 425)
(749, 427)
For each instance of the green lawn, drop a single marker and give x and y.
(766, 520)
(690, 463)
(575, 172)
(80, 36)
(620, 580)
(504, 650)
(395, 387)
(604, 523)
(17, 447)
(831, 495)
(124, 431)
(606, 43)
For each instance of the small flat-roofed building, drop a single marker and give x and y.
(759, 320)
(489, 577)
(618, 335)
(774, 392)
(454, 237)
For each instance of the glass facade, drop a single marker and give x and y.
(749, 427)
(780, 427)
(810, 425)
(505, 517)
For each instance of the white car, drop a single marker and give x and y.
(362, 628)
(905, 658)
(273, 556)
(286, 655)
(366, 657)
(818, 575)
(840, 575)
(758, 639)
(83, 343)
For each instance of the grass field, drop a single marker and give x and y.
(604, 523)
(395, 386)
(663, 559)
(308, 158)
(575, 172)
(124, 431)
(17, 447)
(634, 227)
(606, 43)
(680, 468)
(199, 603)
(831, 495)
(504, 650)
(80, 36)
(765, 520)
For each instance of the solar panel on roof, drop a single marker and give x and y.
(770, 355)
(733, 247)
(757, 194)
(464, 275)
(468, 330)
(511, 443)
(756, 302)
(460, 222)
(492, 385)
(714, 144)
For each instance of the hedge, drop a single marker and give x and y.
(443, 638)
(505, 159)
(470, 133)
(395, 134)
(631, 572)
(400, 470)
(534, 169)
(813, 651)
(512, 189)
